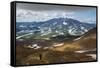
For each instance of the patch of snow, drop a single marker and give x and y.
(54, 35)
(57, 31)
(21, 31)
(37, 47)
(42, 31)
(20, 39)
(85, 30)
(77, 38)
(71, 30)
(44, 34)
(82, 28)
(23, 35)
(22, 26)
(45, 47)
(64, 23)
(75, 32)
(83, 51)
(30, 46)
(49, 29)
(55, 45)
(92, 55)
(61, 33)
(34, 46)
(80, 51)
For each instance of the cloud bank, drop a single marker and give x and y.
(38, 12)
(29, 15)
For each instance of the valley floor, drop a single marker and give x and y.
(59, 54)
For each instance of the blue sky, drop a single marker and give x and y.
(37, 12)
(86, 16)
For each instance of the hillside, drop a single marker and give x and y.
(78, 49)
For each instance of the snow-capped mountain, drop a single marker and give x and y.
(56, 26)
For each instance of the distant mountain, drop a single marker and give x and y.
(59, 26)
(87, 41)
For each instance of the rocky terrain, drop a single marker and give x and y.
(54, 50)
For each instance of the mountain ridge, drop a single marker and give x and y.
(57, 25)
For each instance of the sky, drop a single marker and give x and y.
(40, 12)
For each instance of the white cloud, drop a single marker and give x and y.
(37, 16)
(29, 15)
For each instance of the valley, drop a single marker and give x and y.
(43, 51)
(55, 42)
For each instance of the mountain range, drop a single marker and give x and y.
(59, 38)
(55, 26)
